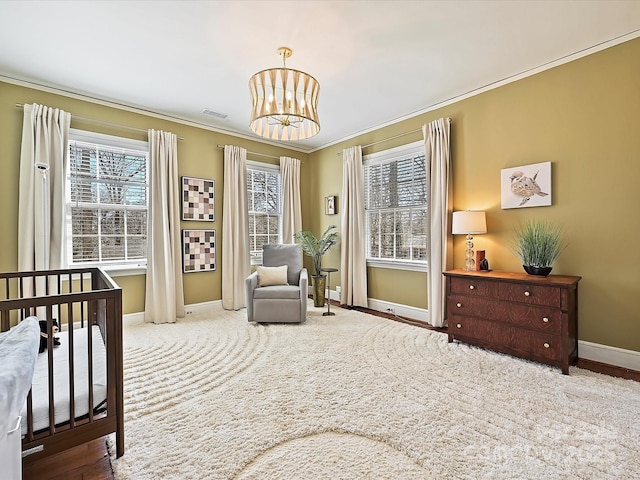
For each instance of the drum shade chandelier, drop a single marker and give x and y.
(284, 102)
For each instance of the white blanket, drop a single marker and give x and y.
(40, 386)
(18, 351)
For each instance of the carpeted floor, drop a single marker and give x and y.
(361, 397)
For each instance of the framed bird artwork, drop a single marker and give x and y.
(526, 186)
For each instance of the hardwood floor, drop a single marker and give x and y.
(85, 462)
(609, 369)
(91, 461)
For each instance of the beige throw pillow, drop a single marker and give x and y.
(272, 275)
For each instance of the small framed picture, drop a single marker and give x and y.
(198, 250)
(331, 205)
(526, 186)
(198, 199)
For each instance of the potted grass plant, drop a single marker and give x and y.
(316, 248)
(538, 243)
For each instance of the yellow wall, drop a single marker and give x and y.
(584, 117)
(198, 156)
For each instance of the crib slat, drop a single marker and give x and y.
(21, 293)
(4, 321)
(29, 417)
(52, 410)
(82, 316)
(72, 398)
(90, 360)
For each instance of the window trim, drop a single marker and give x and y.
(269, 168)
(109, 140)
(119, 267)
(378, 158)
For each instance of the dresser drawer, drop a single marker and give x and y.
(505, 338)
(544, 319)
(511, 312)
(474, 286)
(532, 294)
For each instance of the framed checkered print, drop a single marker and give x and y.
(198, 250)
(198, 199)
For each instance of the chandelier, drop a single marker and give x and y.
(284, 102)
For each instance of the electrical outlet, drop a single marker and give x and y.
(391, 310)
(188, 312)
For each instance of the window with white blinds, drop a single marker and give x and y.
(265, 207)
(395, 186)
(107, 200)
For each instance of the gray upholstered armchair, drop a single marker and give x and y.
(282, 300)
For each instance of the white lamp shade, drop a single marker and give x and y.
(469, 221)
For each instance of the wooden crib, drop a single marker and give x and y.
(77, 391)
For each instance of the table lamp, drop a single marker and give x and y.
(467, 223)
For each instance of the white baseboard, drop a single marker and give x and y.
(138, 317)
(415, 313)
(615, 356)
(133, 318)
(333, 295)
(202, 307)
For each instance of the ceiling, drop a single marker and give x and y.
(376, 61)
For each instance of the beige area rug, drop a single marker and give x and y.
(360, 397)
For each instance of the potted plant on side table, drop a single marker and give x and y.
(538, 244)
(316, 248)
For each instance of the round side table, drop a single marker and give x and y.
(328, 271)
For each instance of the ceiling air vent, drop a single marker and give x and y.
(211, 113)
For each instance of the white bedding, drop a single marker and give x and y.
(40, 386)
(18, 351)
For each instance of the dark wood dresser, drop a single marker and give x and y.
(523, 315)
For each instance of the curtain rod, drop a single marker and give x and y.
(101, 122)
(387, 139)
(394, 137)
(256, 153)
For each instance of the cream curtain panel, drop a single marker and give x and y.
(164, 299)
(291, 210)
(440, 255)
(353, 263)
(236, 265)
(41, 193)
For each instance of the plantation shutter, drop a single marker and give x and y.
(264, 196)
(396, 208)
(107, 203)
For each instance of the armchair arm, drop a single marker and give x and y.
(304, 293)
(251, 283)
(304, 283)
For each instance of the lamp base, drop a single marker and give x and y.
(469, 262)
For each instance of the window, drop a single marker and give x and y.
(265, 207)
(395, 186)
(107, 200)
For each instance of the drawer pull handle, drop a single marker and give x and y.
(546, 345)
(471, 287)
(526, 294)
(458, 304)
(545, 319)
(458, 325)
